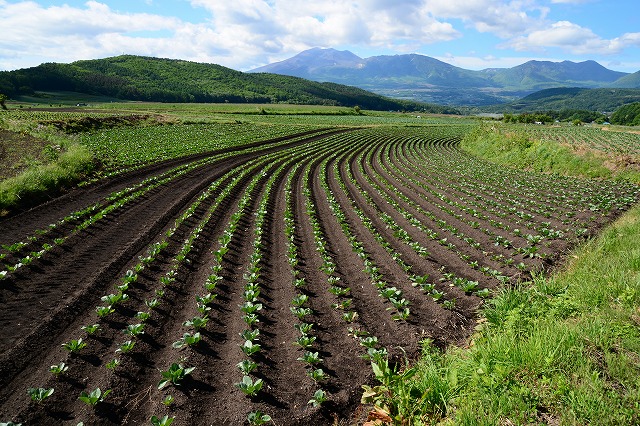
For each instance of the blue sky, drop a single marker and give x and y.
(244, 34)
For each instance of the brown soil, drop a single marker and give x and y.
(46, 303)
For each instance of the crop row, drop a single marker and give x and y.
(288, 270)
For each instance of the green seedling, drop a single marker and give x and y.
(58, 369)
(318, 398)
(257, 418)
(174, 375)
(94, 396)
(39, 394)
(74, 346)
(249, 387)
(187, 339)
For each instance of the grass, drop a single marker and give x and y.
(42, 181)
(515, 149)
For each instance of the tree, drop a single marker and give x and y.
(3, 99)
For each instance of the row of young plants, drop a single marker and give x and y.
(176, 371)
(403, 235)
(544, 228)
(26, 251)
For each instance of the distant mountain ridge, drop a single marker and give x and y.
(427, 79)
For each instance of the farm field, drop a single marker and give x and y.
(262, 277)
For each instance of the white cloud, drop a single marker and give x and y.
(574, 39)
(502, 18)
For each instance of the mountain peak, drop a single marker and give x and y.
(308, 61)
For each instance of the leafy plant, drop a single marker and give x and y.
(247, 366)
(310, 357)
(134, 329)
(317, 375)
(111, 365)
(174, 375)
(187, 339)
(94, 396)
(126, 346)
(74, 346)
(250, 348)
(305, 341)
(197, 322)
(318, 398)
(168, 400)
(162, 421)
(143, 316)
(250, 387)
(91, 329)
(250, 335)
(303, 327)
(257, 418)
(103, 311)
(39, 394)
(58, 369)
(152, 303)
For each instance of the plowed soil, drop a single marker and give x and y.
(45, 303)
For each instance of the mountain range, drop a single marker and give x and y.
(426, 79)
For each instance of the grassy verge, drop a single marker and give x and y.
(518, 150)
(562, 350)
(42, 181)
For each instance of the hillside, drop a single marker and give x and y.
(426, 79)
(167, 80)
(575, 98)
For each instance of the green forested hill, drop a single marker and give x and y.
(561, 98)
(166, 80)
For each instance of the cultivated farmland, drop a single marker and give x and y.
(259, 280)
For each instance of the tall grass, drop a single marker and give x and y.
(514, 149)
(44, 181)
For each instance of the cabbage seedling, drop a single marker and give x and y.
(257, 418)
(250, 319)
(318, 398)
(39, 394)
(134, 329)
(143, 316)
(250, 348)
(94, 396)
(305, 341)
(74, 346)
(58, 369)
(126, 346)
(103, 311)
(168, 400)
(111, 365)
(304, 327)
(310, 357)
(250, 335)
(152, 303)
(250, 307)
(299, 300)
(300, 312)
(249, 387)
(317, 375)
(349, 316)
(162, 421)
(247, 366)
(187, 339)
(175, 374)
(91, 329)
(197, 322)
